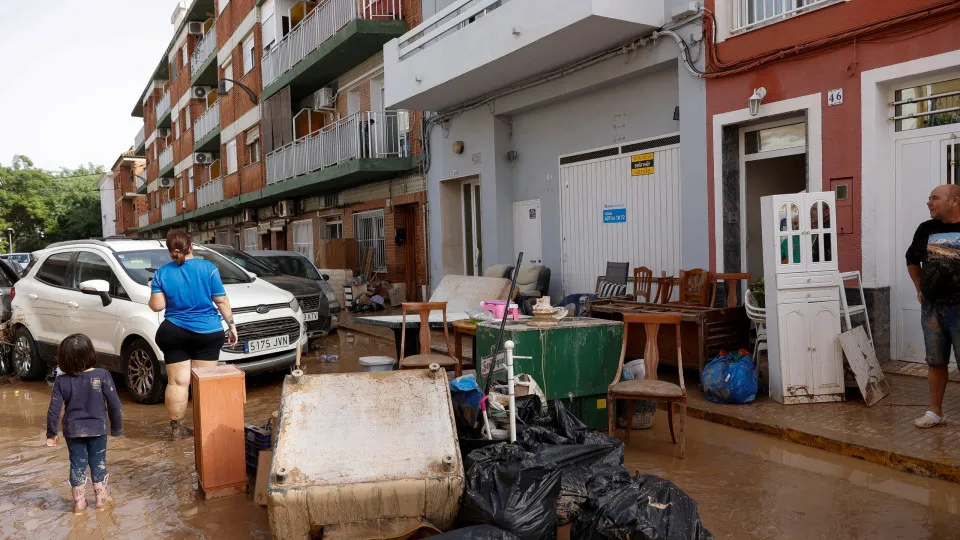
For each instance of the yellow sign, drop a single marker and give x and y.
(601, 404)
(641, 164)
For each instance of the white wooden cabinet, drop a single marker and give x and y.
(803, 307)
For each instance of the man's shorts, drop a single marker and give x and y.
(941, 331)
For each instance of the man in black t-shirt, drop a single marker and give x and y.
(933, 260)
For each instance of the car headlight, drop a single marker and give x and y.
(295, 305)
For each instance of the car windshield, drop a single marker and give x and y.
(140, 265)
(247, 262)
(293, 265)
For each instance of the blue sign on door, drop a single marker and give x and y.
(615, 213)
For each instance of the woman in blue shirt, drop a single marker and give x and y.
(191, 335)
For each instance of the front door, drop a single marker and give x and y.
(472, 237)
(526, 231)
(922, 163)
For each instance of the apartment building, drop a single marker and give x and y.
(860, 97)
(120, 204)
(277, 136)
(569, 130)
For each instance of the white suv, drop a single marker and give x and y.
(101, 289)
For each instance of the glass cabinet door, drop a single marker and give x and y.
(790, 254)
(822, 251)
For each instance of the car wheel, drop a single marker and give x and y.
(144, 380)
(26, 359)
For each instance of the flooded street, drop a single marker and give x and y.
(746, 485)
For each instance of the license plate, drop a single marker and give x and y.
(258, 345)
(312, 316)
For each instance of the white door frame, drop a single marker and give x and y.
(476, 247)
(809, 104)
(744, 158)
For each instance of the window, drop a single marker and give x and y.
(253, 145)
(222, 238)
(249, 54)
(750, 14)
(186, 118)
(353, 102)
(228, 74)
(776, 138)
(335, 227)
(368, 232)
(176, 130)
(173, 71)
(190, 179)
(90, 266)
(250, 238)
(927, 105)
(184, 56)
(232, 156)
(222, 5)
(54, 269)
(303, 238)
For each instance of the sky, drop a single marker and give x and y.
(71, 73)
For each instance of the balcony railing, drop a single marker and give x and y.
(204, 49)
(166, 158)
(138, 140)
(365, 134)
(168, 210)
(143, 220)
(446, 22)
(750, 14)
(208, 121)
(163, 105)
(320, 25)
(210, 193)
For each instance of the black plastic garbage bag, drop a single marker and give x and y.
(644, 507)
(512, 489)
(476, 532)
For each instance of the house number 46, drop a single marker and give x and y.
(835, 97)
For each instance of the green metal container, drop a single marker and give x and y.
(576, 359)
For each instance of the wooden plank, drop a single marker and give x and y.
(263, 475)
(862, 358)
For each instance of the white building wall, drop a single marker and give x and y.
(108, 205)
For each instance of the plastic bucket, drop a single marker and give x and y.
(376, 363)
(497, 306)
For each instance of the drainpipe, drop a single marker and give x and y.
(426, 249)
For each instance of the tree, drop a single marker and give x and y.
(44, 207)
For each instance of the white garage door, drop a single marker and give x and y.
(620, 204)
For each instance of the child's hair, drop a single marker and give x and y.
(76, 354)
(179, 244)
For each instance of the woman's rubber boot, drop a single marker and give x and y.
(103, 494)
(80, 499)
(178, 430)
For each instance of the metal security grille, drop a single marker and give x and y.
(645, 145)
(368, 233)
(266, 329)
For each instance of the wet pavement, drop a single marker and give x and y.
(746, 485)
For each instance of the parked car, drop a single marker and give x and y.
(292, 263)
(312, 298)
(101, 288)
(22, 259)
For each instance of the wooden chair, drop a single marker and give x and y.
(733, 295)
(650, 388)
(425, 358)
(642, 283)
(665, 285)
(695, 287)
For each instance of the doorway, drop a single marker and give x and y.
(407, 241)
(472, 235)
(527, 232)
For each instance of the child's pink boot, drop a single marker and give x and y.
(103, 495)
(79, 499)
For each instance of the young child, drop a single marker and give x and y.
(81, 390)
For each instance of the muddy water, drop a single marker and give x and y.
(746, 485)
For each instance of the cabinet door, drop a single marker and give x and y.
(795, 350)
(824, 327)
(789, 227)
(819, 245)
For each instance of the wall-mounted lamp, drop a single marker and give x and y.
(755, 100)
(458, 147)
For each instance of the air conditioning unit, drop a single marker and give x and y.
(286, 209)
(323, 98)
(249, 215)
(200, 92)
(195, 28)
(203, 158)
(166, 183)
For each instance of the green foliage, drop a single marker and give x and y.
(44, 207)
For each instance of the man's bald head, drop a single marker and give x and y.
(944, 203)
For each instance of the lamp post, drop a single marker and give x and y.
(10, 239)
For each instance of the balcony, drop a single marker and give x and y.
(210, 193)
(168, 210)
(363, 147)
(335, 37)
(165, 160)
(138, 141)
(206, 132)
(474, 47)
(203, 69)
(163, 110)
(141, 185)
(143, 220)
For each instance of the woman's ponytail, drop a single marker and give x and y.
(179, 244)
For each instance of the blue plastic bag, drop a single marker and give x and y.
(731, 378)
(466, 396)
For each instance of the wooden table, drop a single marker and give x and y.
(460, 329)
(395, 323)
(703, 330)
